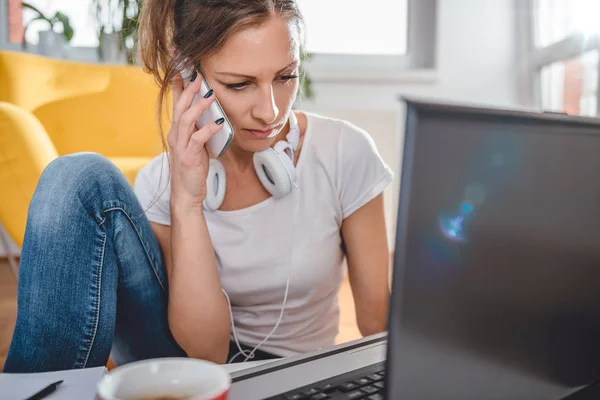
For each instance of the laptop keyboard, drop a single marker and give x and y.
(366, 384)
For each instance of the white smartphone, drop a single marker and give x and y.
(221, 140)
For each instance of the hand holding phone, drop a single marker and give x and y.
(220, 141)
(189, 149)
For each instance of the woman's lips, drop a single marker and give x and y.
(262, 133)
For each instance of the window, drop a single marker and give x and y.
(348, 27)
(349, 40)
(333, 26)
(563, 55)
(376, 41)
(555, 20)
(81, 17)
(85, 17)
(571, 85)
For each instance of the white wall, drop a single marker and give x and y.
(476, 53)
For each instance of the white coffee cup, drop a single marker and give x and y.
(168, 378)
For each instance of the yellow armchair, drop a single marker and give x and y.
(51, 107)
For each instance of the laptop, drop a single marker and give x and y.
(496, 275)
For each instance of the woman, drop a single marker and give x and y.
(150, 273)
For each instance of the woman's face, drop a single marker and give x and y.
(254, 77)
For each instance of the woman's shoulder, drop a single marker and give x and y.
(154, 170)
(152, 189)
(352, 159)
(328, 123)
(332, 135)
(332, 132)
(153, 178)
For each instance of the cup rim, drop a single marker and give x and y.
(102, 388)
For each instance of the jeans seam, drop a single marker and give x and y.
(98, 300)
(99, 279)
(154, 267)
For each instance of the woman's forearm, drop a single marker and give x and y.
(198, 312)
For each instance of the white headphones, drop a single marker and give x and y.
(274, 167)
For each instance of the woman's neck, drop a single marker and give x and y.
(237, 158)
(241, 160)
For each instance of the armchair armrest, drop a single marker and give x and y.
(25, 150)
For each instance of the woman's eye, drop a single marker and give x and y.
(286, 78)
(242, 85)
(237, 86)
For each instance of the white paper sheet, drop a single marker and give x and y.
(78, 384)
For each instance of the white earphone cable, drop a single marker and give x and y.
(247, 353)
(295, 199)
(237, 342)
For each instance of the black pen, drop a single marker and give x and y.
(45, 391)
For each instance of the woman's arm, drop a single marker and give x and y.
(198, 311)
(365, 237)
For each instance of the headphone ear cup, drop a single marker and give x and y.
(215, 185)
(275, 171)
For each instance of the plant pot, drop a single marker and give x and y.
(52, 44)
(110, 51)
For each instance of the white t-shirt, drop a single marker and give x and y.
(339, 170)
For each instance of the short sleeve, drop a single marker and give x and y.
(362, 173)
(153, 190)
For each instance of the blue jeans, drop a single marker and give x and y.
(92, 281)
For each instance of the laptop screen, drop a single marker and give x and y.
(497, 264)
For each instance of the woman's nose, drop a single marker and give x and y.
(265, 108)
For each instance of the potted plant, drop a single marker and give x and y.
(51, 42)
(117, 33)
(306, 88)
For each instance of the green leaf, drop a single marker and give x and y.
(67, 28)
(34, 9)
(306, 82)
(129, 26)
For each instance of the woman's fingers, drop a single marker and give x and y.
(187, 96)
(187, 122)
(199, 138)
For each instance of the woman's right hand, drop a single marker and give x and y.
(189, 159)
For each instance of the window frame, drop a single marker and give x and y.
(534, 58)
(418, 64)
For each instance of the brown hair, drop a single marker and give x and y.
(197, 28)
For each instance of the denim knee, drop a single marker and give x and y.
(77, 171)
(77, 168)
(74, 178)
